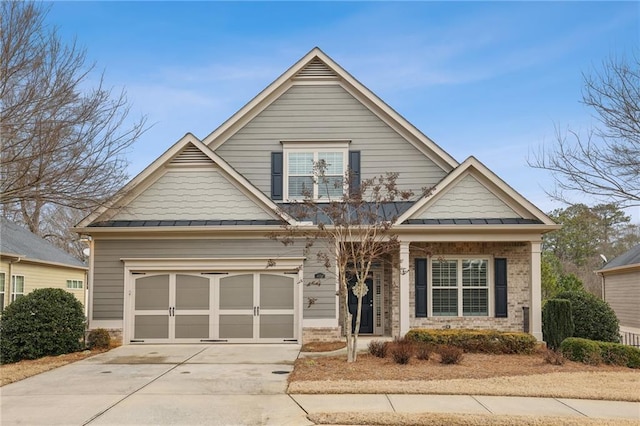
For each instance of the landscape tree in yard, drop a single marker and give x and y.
(557, 322)
(604, 162)
(64, 136)
(351, 230)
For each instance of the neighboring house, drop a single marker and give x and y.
(28, 262)
(621, 288)
(180, 254)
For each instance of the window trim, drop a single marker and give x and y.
(315, 147)
(3, 289)
(14, 293)
(70, 287)
(459, 288)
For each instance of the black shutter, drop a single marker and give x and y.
(276, 176)
(501, 287)
(354, 167)
(421, 288)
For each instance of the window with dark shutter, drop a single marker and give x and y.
(421, 288)
(276, 176)
(501, 287)
(354, 167)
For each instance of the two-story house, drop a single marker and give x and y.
(181, 253)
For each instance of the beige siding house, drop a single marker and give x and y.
(621, 288)
(180, 255)
(27, 262)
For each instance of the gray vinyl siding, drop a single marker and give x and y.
(468, 199)
(622, 291)
(326, 112)
(108, 285)
(192, 194)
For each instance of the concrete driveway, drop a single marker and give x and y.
(161, 384)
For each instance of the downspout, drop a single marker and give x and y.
(10, 283)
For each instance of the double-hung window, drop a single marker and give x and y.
(315, 170)
(1, 291)
(17, 287)
(74, 284)
(460, 287)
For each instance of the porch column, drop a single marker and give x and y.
(535, 313)
(404, 288)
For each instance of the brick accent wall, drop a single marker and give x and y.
(324, 334)
(518, 257)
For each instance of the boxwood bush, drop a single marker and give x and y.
(489, 341)
(593, 318)
(591, 352)
(45, 322)
(557, 322)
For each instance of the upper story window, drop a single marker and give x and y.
(302, 177)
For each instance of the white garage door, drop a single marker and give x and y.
(186, 307)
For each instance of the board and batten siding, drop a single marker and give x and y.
(108, 278)
(622, 292)
(326, 112)
(192, 194)
(468, 199)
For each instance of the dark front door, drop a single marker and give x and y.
(366, 321)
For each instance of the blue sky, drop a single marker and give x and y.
(489, 79)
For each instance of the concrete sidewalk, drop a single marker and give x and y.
(468, 404)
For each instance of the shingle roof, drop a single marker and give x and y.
(14, 239)
(630, 257)
(471, 221)
(146, 223)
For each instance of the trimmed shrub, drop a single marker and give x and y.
(424, 351)
(450, 354)
(594, 353)
(378, 348)
(98, 338)
(401, 350)
(488, 341)
(557, 322)
(45, 322)
(593, 318)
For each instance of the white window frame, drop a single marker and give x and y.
(75, 284)
(314, 147)
(3, 283)
(459, 287)
(14, 293)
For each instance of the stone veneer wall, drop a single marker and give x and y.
(321, 334)
(518, 255)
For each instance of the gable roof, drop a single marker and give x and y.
(317, 66)
(16, 241)
(529, 213)
(626, 259)
(188, 149)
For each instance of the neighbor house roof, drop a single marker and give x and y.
(628, 258)
(16, 241)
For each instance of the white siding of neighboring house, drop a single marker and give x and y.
(468, 199)
(193, 194)
(622, 292)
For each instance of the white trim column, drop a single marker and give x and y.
(535, 312)
(404, 288)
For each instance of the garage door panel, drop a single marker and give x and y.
(192, 292)
(276, 327)
(236, 326)
(152, 293)
(236, 292)
(192, 327)
(151, 327)
(276, 292)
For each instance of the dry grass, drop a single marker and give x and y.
(477, 374)
(323, 346)
(438, 419)
(21, 370)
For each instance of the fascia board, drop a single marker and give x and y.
(130, 188)
(619, 269)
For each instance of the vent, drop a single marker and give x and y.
(191, 155)
(316, 68)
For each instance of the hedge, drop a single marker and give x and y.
(488, 341)
(557, 322)
(593, 318)
(594, 352)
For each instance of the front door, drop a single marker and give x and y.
(366, 319)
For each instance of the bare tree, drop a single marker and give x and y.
(353, 231)
(63, 141)
(604, 163)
